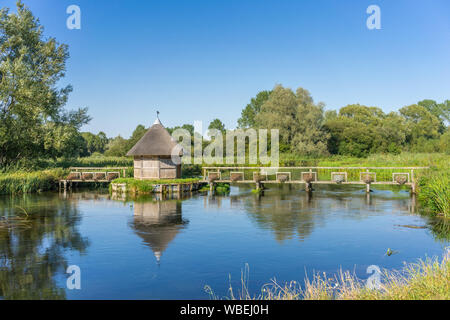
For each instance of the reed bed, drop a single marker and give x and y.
(27, 182)
(434, 192)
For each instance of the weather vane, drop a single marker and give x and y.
(157, 114)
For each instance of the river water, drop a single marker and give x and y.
(153, 248)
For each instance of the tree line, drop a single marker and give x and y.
(354, 130)
(307, 129)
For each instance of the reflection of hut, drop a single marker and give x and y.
(153, 155)
(158, 223)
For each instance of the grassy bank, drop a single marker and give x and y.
(147, 186)
(28, 182)
(424, 280)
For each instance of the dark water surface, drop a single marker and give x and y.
(148, 248)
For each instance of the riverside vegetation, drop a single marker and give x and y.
(433, 184)
(35, 133)
(425, 280)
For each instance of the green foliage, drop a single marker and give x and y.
(191, 170)
(421, 124)
(222, 188)
(137, 134)
(435, 192)
(33, 122)
(248, 114)
(216, 124)
(359, 131)
(117, 147)
(146, 186)
(298, 119)
(445, 142)
(94, 143)
(439, 110)
(27, 182)
(425, 280)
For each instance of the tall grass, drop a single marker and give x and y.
(27, 182)
(424, 280)
(406, 159)
(434, 192)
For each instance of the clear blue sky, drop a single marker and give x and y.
(200, 60)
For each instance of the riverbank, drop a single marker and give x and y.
(30, 182)
(433, 184)
(424, 280)
(434, 192)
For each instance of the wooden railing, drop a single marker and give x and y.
(120, 170)
(313, 175)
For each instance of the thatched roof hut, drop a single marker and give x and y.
(153, 155)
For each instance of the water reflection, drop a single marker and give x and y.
(290, 212)
(36, 249)
(32, 253)
(158, 220)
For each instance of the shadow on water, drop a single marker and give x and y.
(32, 251)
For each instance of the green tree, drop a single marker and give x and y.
(137, 134)
(445, 142)
(360, 130)
(117, 147)
(94, 143)
(298, 119)
(439, 110)
(217, 125)
(32, 115)
(248, 114)
(423, 127)
(310, 138)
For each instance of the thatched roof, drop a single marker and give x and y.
(157, 141)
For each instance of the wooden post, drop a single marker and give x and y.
(211, 186)
(367, 187)
(413, 183)
(308, 186)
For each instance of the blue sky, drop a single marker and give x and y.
(200, 60)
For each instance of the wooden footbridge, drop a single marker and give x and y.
(92, 175)
(309, 176)
(260, 176)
